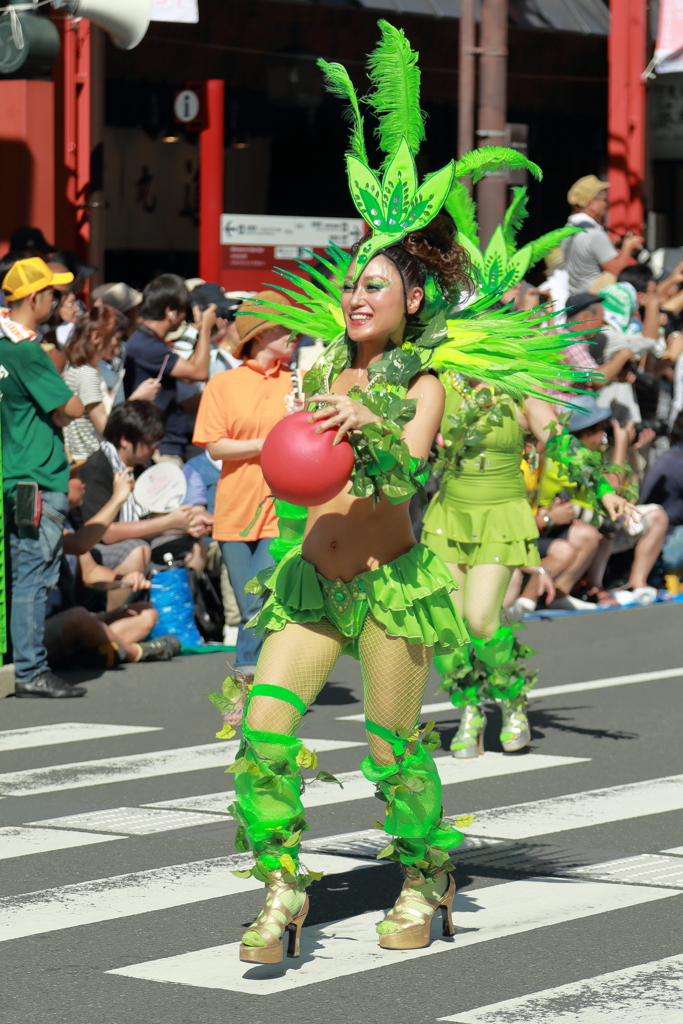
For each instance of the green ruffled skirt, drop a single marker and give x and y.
(409, 597)
(483, 517)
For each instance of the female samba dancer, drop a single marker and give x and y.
(358, 582)
(361, 581)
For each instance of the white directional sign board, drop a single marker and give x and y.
(309, 232)
(175, 10)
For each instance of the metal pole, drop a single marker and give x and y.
(618, 114)
(212, 180)
(96, 199)
(466, 79)
(492, 190)
(636, 113)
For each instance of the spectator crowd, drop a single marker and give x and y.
(100, 384)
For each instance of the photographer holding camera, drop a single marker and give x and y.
(148, 354)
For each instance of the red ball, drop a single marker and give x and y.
(302, 467)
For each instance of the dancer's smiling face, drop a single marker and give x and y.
(376, 304)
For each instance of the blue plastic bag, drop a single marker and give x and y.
(175, 607)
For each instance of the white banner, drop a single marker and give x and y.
(669, 50)
(175, 10)
(312, 232)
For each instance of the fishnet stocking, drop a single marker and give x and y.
(301, 657)
(298, 658)
(394, 679)
(480, 595)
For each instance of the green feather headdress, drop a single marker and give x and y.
(502, 265)
(391, 201)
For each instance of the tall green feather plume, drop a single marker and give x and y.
(543, 245)
(463, 209)
(395, 99)
(337, 82)
(478, 162)
(515, 215)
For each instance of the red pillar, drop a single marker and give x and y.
(27, 152)
(626, 114)
(211, 180)
(77, 127)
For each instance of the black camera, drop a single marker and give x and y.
(205, 294)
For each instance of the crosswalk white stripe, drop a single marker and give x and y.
(356, 787)
(19, 841)
(80, 774)
(552, 691)
(140, 892)
(581, 810)
(677, 850)
(649, 993)
(66, 732)
(349, 947)
(131, 821)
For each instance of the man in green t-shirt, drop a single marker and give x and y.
(35, 404)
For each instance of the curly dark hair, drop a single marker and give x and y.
(433, 251)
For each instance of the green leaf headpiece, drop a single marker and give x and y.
(391, 202)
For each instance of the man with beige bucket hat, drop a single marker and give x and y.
(236, 413)
(590, 254)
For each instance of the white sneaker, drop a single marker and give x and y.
(230, 635)
(639, 595)
(519, 608)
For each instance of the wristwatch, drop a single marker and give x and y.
(547, 521)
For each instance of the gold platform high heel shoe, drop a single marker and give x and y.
(283, 913)
(410, 919)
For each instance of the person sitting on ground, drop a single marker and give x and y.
(96, 337)
(579, 472)
(73, 634)
(164, 306)
(131, 436)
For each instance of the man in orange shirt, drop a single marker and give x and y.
(237, 411)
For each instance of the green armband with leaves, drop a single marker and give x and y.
(603, 487)
(291, 526)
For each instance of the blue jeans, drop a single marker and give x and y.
(34, 554)
(243, 559)
(672, 549)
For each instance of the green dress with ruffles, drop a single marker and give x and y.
(481, 514)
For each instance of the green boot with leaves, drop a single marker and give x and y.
(507, 681)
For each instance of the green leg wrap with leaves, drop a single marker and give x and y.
(411, 792)
(462, 678)
(500, 661)
(268, 808)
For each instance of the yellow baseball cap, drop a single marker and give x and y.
(28, 276)
(585, 189)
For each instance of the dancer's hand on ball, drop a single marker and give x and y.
(347, 415)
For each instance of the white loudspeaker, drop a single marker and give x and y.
(126, 21)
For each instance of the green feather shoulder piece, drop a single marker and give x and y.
(507, 350)
(318, 311)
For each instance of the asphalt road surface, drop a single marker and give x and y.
(119, 907)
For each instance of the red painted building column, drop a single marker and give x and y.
(27, 149)
(211, 180)
(626, 114)
(76, 56)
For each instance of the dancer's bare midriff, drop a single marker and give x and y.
(350, 535)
